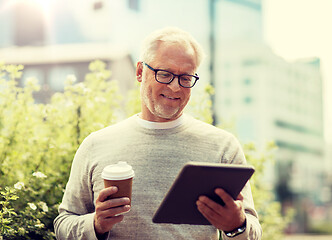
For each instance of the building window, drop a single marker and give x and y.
(247, 100)
(29, 25)
(133, 4)
(227, 83)
(250, 62)
(58, 75)
(228, 102)
(33, 73)
(98, 5)
(247, 81)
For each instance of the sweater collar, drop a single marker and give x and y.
(160, 125)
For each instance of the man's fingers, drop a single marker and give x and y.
(206, 210)
(105, 224)
(108, 212)
(112, 203)
(210, 203)
(106, 192)
(115, 211)
(116, 202)
(228, 200)
(240, 197)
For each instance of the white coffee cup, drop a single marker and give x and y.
(119, 175)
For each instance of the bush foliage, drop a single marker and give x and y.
(38, 143)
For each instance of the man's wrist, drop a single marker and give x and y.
(237, 231)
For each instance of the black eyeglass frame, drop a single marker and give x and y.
(174, 75)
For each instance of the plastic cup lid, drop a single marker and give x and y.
(119, 171)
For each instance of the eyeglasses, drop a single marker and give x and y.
(166, 77)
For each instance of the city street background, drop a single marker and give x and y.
(269, 62)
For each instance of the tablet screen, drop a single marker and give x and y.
(196, 179)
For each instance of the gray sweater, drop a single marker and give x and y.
(157, 155)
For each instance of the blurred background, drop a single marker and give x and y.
(270, 62)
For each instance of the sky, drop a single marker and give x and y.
(300, 29)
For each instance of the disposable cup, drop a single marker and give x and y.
(119, 175)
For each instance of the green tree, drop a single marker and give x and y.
(40, 140)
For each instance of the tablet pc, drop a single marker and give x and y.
(196, 179)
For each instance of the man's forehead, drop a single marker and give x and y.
(181, 45)
(171, 51)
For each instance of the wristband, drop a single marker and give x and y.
(237, 231)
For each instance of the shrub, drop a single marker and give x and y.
(38, 143)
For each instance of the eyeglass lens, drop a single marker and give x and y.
(166, 77)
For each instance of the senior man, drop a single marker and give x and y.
(157, 142)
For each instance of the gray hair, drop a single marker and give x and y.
(170, 35)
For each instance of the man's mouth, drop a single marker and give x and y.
(169, 97)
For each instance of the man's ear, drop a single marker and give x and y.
(139, 71)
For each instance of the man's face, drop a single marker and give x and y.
(165, 102)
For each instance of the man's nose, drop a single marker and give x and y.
(174, 85)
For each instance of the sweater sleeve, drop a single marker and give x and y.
(253, 229)
(76, 212)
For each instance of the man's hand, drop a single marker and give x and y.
(227, 217)
(108, 210)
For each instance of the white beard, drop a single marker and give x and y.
(160, 110)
